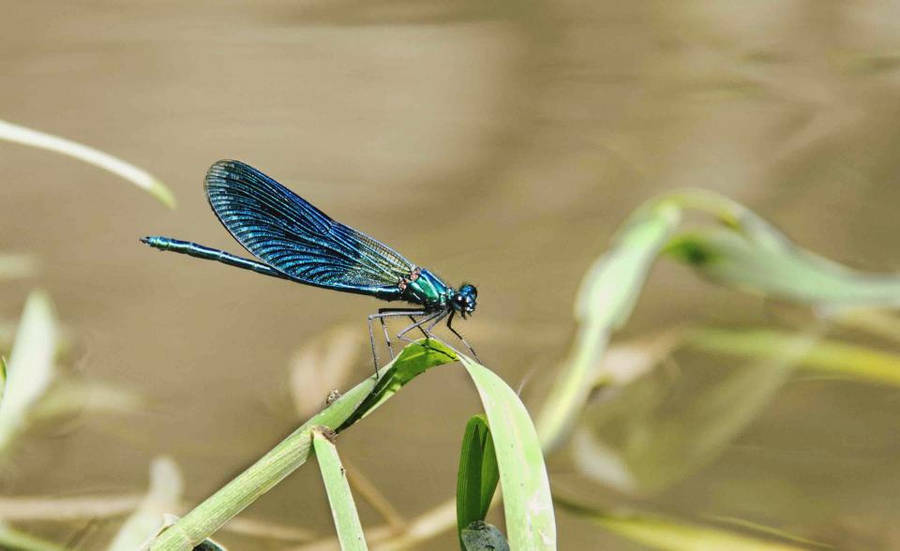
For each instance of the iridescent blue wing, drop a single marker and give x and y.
(297, 239)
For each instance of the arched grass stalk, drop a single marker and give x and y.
(528, 506)
(137, 176)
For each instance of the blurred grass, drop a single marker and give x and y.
(31, 368)
(139, 177)
(658, 532)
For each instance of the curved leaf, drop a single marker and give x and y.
(141, 178)
(527, 504)
(293, 451)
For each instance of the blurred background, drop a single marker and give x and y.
(497, 143)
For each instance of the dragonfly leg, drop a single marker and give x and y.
(385, 313)
(424, 332)
(402, 334)
(387, 338)
(460, 337)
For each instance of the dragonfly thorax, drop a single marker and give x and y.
(427, 289)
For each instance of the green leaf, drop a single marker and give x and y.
(13, 539)
(527, 503)
(163, 496)
(293, 451)
(481, 536)
(343, 509)
(607, 296)
(827, 356)
(787, 273)
(671, 535)
(31, 369)
(478, 474)
(141, 178)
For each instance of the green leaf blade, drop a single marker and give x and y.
(528, 506)
(343, 509)
(477, 479)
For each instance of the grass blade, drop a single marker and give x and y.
(789, 273)
(478, 475)
(343, 509)
(528, 507)
(139, 177)
(606, 298)
(293, 451)
(827, 356)
(31, 369)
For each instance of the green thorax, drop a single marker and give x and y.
(428, 290)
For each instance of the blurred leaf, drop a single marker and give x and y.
(626, 362)
(343, 509)
(31, 368)
(607, 296)
(11, 539)
(135, 175)
(650, 435)
(17, 265)
(881, 324)
(2, 376)
(163, 497)
(527, 503)
(321, 366)
(69, 397)
(828, 356)
(661, 533)
(790, 273)
(481, 536)
(478, 475)
(293, 451)
(66, 508)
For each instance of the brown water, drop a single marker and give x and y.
(501, 144)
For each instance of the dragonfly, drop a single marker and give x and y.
(294, 240)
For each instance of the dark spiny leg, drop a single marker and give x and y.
(372, 342)
(418, 324)
(387, 338)
(412, 319)
(460, 337)
(384, 313)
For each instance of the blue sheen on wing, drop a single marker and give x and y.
(297, 239)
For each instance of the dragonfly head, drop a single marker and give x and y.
(463, 301)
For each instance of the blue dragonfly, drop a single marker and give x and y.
(294, 240)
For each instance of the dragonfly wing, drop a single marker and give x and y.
(297, 239)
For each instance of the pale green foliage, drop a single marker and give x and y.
(139, 177)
